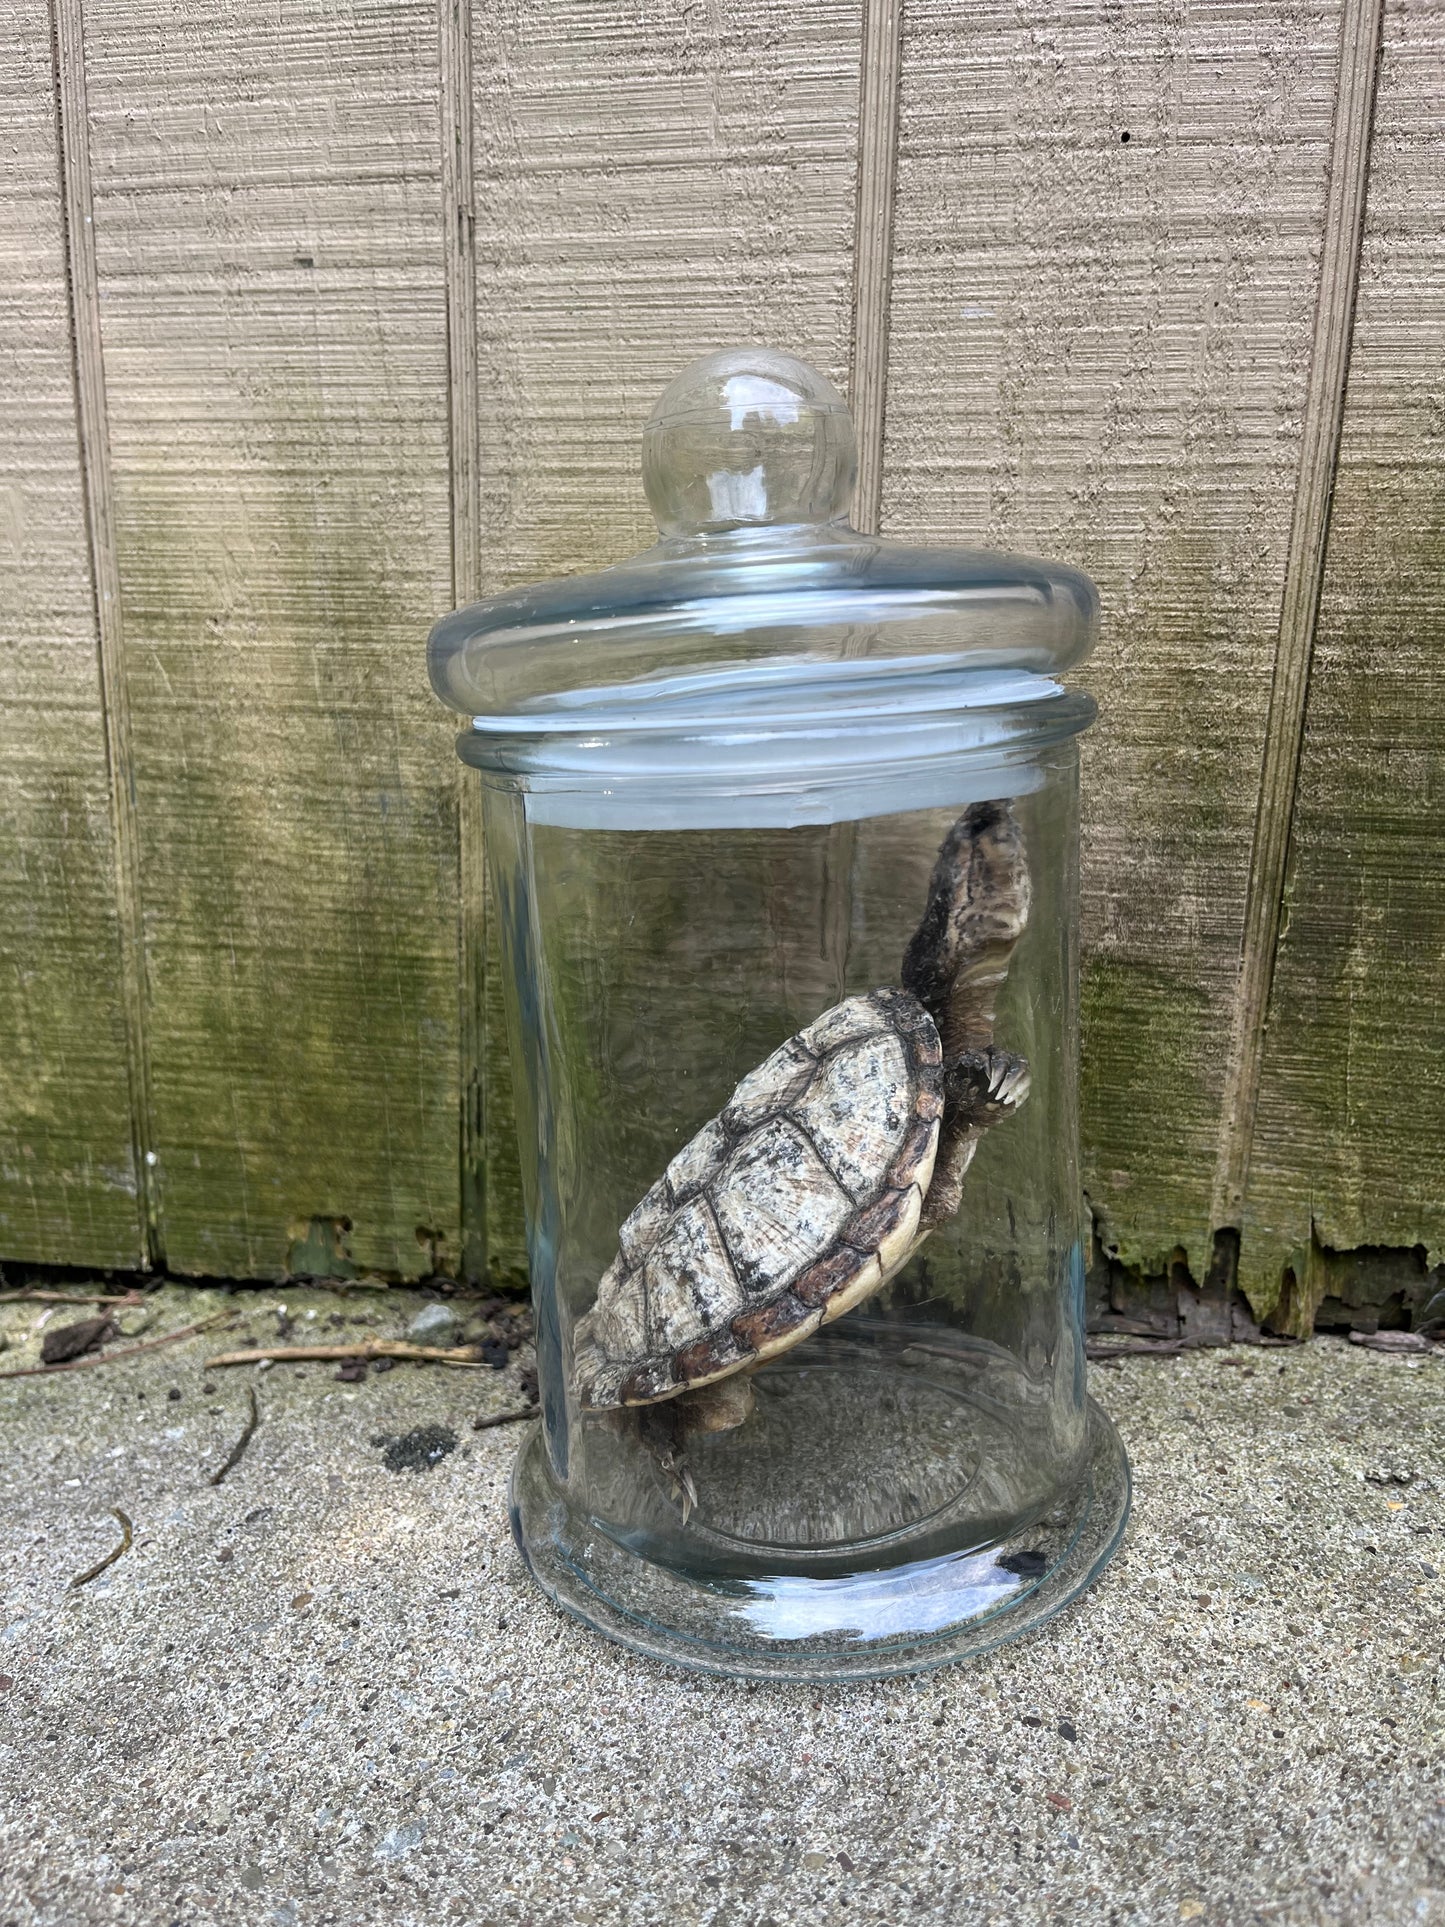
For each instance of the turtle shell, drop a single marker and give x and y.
(787, 1209)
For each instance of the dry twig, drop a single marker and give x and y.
(128, 1351)
(1102, 1351)
(131, 1298)
(504, 1418)
(1391, 1341)
(364, 1348)
(234, 1455)
(110, 1558)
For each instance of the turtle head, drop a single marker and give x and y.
(978, 905)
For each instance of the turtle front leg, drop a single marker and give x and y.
(979, 1088)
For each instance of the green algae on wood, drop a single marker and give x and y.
(1349, 1145)
(68, 1181)
(1066, 381)
(276, 357)
(1148, 1124)
(301, 902)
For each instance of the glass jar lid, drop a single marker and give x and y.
(763, 633)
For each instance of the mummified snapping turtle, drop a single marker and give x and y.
(829, 1163)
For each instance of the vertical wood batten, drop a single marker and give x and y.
(1350, 1120)
(1104, 275)
(68, 1139)
(270, 258)
(1304, 571)
(873, 248)
(94, 436)
(460, 253)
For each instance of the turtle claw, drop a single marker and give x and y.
(681, 1488)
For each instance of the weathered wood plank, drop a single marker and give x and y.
(1299, 609)
(683, 184)
(268, 228)
(1349, 1144)
(459, 243)
(653, 183)
(68, 1187)
(1108, 225)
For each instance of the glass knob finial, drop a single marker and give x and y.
(748, 438)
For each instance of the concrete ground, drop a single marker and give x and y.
(326, 1691)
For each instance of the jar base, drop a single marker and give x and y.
(864, 1625)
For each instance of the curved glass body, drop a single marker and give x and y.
(694, 858)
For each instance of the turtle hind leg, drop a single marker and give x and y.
(719, 1407)
(666, 1428)
(661, 1435)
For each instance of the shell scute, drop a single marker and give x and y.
(825, 1278)
(639, 1230)
(857, 1109)
(687, 1281)
(711, 1357)
(781, 1321)
(854, 1017)
(778, 1205)
(697, 1161)
(883, 1221)
(771, 1087)
(648, 1382)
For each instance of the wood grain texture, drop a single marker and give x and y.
(1108, 227)
(1299, 607)
(459, 243)
(1349, 1144)
(654, 181)
(873, 248)
(268, 220)
(93, 432)
(68, 1176)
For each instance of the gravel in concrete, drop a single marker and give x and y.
(326, 1691)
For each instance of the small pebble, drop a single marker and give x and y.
(434, 1325)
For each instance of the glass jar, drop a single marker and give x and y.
(782, 823)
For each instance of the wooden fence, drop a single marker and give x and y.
(318, 319)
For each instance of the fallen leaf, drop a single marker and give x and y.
(58, 1347)
(1061, 1801)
